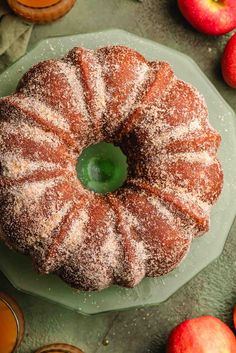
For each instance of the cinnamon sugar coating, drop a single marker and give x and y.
(160, 122)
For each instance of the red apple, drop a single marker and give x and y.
(228, 63)
(210, 16)
(205, 334)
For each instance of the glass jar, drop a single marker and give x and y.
(12, 325)
(41, 11)
(59, 348)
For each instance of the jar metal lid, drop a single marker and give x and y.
(59, 348)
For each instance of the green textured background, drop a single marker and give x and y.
(213, 291)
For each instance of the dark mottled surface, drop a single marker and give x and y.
(213, 291)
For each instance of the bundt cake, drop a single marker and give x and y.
(160, 123)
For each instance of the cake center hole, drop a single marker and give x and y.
(102, 167)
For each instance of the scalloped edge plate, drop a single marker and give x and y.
(150, 291)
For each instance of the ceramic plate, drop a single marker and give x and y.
(18, 268)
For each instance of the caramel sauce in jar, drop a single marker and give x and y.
(38, 3)
(41, 11)
(11, 324)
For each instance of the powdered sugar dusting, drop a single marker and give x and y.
(192, 157)
(186, 198)
(110, 251)
(46, 227)
(46, 113)
(35, 190)
(77, 98)
(133, 268)
(164, 212)
(142, 74)
(30, 132)
(146, 227)
(76, 233)
(14, 166)
(180, 132)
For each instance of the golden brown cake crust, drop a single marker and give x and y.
(160, 122)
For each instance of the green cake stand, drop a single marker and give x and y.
(18, 268)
